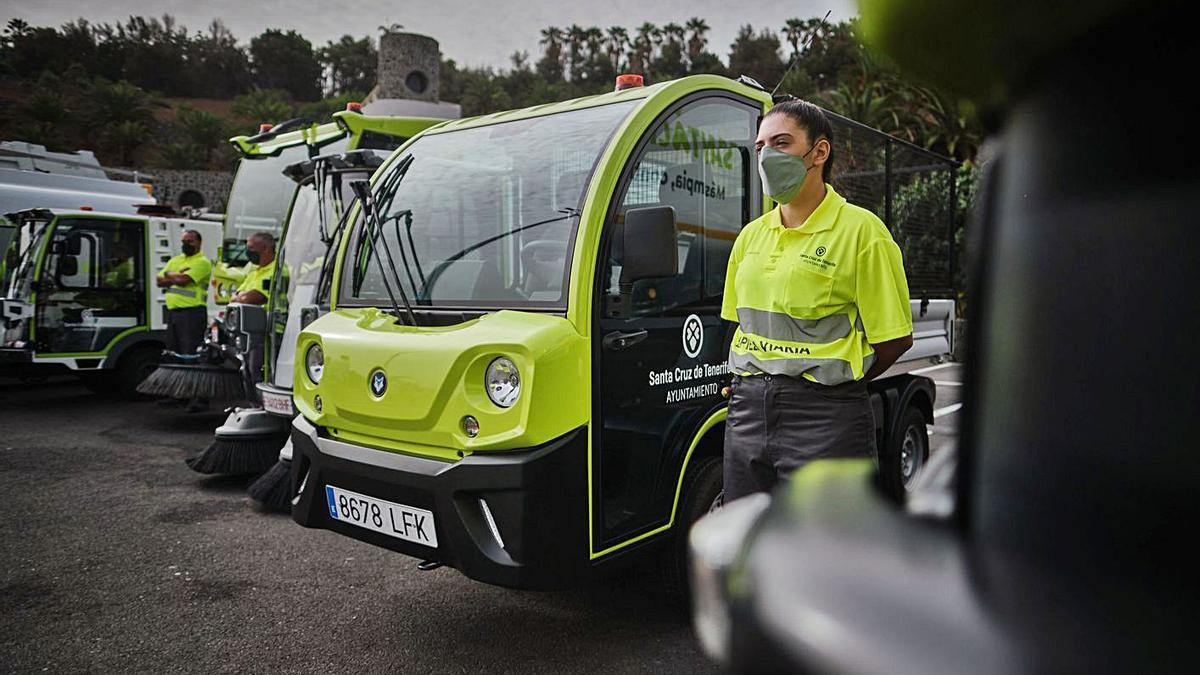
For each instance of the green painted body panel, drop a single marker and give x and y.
(436, 376)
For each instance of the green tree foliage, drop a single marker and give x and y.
(756, 55)
(265, 106)
(286, 61)
(203, 130)
(350, 65)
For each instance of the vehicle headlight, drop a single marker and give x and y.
(714, 543)
(314, 363)
(233, 319)
(503, 382)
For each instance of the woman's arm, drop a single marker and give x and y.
(886, 354)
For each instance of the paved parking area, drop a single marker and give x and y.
(114, 556)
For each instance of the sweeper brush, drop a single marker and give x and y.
(273, 489)
(184, 381)
(247, 443)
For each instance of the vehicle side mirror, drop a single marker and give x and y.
(649, 244)
(68, 266)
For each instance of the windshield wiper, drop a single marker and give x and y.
(567, 212)
(320, 175)
(362, 189)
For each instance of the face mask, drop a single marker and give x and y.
(254, 256)
(782, 174)
(189, 249)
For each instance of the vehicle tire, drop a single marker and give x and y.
(907, 454)
(702, 493)
(133, 366)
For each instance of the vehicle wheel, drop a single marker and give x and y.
(132, 369)
(908, 454)
(702, 493)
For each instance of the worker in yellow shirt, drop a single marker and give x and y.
(818, 290)
(185, 278)
(256, 287)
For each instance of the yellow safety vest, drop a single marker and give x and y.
(810, 300)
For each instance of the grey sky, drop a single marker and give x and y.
(472, 32)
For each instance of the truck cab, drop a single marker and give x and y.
(78, 293)
(261, 195)
(522, 373)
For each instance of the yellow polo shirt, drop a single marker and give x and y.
(258, 278)
(195, 294)
(810, 300)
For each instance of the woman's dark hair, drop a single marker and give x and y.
(814, 122)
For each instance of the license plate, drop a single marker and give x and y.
(395, 520)
(277, 403)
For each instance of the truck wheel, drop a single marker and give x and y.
(134, 367)
(908, 454)
(702, 493)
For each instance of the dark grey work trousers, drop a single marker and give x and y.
(185, 329)
(777, 424)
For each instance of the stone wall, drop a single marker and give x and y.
(178, 187)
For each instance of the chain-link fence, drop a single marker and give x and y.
(911, 189)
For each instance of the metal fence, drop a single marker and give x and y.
(911, 189)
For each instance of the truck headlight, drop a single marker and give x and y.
(503, 382)
(715, 542)
(314, 363)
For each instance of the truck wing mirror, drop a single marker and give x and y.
(68, 266)
(649, 244)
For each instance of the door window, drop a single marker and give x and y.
(92, 285)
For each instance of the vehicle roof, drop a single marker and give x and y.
(669, 88)
(105, 214)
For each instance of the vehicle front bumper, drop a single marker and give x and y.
(538, 499)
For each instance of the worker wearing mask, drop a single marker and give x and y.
(185, 278)
(256, 287)
(818, 291)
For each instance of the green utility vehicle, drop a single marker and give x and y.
(261, 193)
(78, 293)
(521, 374)
(256, 434)
(251, 438)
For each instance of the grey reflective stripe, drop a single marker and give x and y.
(180, 291)
(780, 326)
(826, 371)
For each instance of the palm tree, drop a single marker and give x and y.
(698, 40)
(575, 39)
(618, 39)
(594, 37)
(793, 31)
(643, 47)
(551, 65)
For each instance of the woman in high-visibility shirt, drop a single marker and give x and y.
(818, 290)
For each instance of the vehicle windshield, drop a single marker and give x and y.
(482, 217)
(18, 258)
(260, 197)
(301, 258)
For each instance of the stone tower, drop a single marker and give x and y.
(409, 72)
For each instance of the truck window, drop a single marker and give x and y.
(483, 216)
(92, 286)
(698, 160)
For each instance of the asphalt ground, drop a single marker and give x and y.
(114, 556)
